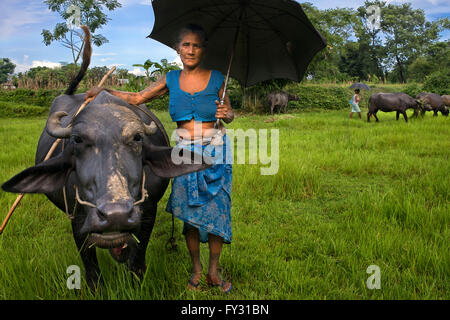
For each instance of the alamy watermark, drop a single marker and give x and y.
(74, 19)
(251, 142)
(374, 281)
(374, 15)
(74, 279)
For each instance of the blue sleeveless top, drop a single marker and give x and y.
(201, 105)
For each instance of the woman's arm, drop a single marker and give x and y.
(155, 90)
(224, 111)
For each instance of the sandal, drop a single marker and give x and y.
(222, 284)
(191, 284)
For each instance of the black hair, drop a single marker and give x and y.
(357, 90)
(192, 28)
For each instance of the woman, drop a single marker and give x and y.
(355, 104)
(201, 199)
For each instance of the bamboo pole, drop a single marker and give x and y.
(52, 149)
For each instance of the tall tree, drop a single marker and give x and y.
(407, 34)
(368, 32)
(336, 26)
(75, 13)
(6, 69)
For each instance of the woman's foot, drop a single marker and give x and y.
(215, 281)
(194, 281)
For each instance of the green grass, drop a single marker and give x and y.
(348, 194)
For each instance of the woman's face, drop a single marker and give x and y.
(191, 50)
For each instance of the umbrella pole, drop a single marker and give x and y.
(222, 99)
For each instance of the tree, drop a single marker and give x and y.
(160, 68)
(407, 35)
(147, 65)
(336, 26)
(368, 32)
(78, 12)
(6, 69)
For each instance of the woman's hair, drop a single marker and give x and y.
(356, 90)
(195, 29)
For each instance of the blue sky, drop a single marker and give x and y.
(22, 21)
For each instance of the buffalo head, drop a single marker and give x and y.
(102, 166)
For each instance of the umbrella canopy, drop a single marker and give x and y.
(267, 39)
(360, 86)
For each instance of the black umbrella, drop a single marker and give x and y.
(360, 86)
(253, 40)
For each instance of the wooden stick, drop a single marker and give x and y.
(52, 149)
(8, 216)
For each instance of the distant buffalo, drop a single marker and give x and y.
(280, 99)
(446, 101)
(432, 102)
(388, 102)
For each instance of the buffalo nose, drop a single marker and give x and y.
(117, 216)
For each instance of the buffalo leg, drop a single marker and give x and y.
(375, 115)
(405, 116)
(435, 113)
(89, 258)
(136, 261)
(397, 115)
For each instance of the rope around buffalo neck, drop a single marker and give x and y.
(144, 194)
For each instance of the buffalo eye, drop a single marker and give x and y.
(77, 139)
(137, 137)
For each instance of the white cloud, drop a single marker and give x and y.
(126, 3)
(177, 60)
(25, 65)
(138, 72)
(48, 64)
(15, 15)
(101, 54)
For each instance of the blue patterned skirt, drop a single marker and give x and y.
(202, 199)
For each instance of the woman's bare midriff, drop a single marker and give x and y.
(191, 129)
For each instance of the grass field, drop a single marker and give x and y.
(347, 195)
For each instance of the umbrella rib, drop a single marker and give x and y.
(211, 32)
(247, 69)
(309, 26)
(279, 37)
(189, 11)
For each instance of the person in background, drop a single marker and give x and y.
(354, 102)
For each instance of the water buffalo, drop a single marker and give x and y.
(432, 102)
(388, 102)
(114, 163)
(280, 99)
(446, 99)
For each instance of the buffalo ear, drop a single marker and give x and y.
(159, 158)
(45, 177)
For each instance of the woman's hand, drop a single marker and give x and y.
(93, 92)
(224, 112)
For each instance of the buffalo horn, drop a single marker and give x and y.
(54, 127)
(150, 129)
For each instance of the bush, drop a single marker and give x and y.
(327, 97)
(438, 82)
(20, 110)
(413, 89)
(41, 97)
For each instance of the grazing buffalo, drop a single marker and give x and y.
(432, 102)
(388, 102)
(108, 173)
(446, 99)
(281, 100)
